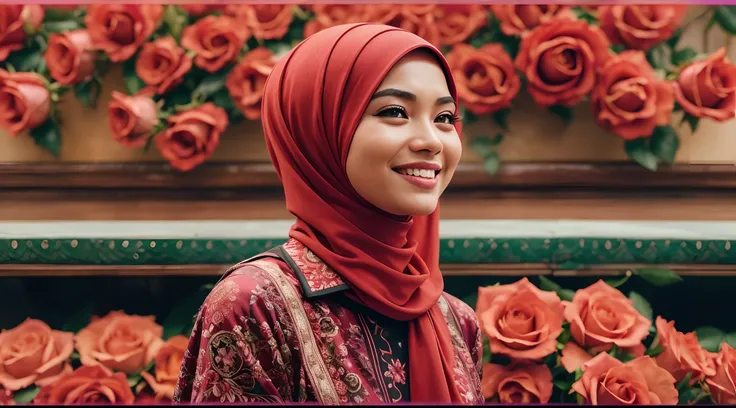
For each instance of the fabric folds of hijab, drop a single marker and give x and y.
(312, 104)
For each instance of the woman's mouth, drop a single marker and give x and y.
(422, 175)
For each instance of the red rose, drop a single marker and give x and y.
(485, 77)
(87, 385)
(120, 29)
(265, 21)
(162, 64)
(192, 136)
(707, 88)
(24, 101)
(640, 26)
(629, 99)
(13, 17)
(247, 80)
(70, 57)
(517, 19)
(722, 383)
(217, 40)
(201, 9)
(132, 118)
(457, 23)
(560, 59)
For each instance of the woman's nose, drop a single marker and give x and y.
(425, 139)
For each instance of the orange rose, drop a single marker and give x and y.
(246, 81)
(520, 320)
(560, 59)
(70, 57)
(265, 21)
(682, 353)
(607, 381)
(707, 88)
(722, 384)
(485, 77)
(573, 357)
(32, 353)
(132, 118)
(517, 19)
(517, 384)
(640, 26)
(120, 29)
(416, 19)
(201, 9)
(457, 23)
(192, 136)
(87, 385)
(629, 99)
(601, 316)
(14, 17)
(330, 15)
(167, 366)
(24, 101)
(163, 64)
(119, 342)
(217, 40)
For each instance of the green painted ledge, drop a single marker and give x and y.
(561, 244)
(562, 252)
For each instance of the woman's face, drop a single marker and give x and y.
(406, 149)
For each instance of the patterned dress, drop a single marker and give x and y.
(279, 328)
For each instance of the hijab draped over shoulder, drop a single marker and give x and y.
(312, 104)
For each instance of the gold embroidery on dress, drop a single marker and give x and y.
(313, 364)
(220, 301)
(460, 347)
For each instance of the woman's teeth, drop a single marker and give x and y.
(430, 174)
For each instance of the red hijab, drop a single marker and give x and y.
(313, 101)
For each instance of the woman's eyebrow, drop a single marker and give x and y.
(409, 96)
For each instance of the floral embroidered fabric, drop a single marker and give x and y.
(271, 332)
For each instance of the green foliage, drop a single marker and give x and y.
(710, 338)
(691, 120)
(584, 14)
(491, 33)
(641, 305)
(211, 84)
(658, 276)
(640, 152)
(485, 147)
(26, 395)
(133, 83)
(726, 18)
(501, 118)
(620, 281)
(88, 92)
(564, 112)
(547, 284)
(654, 351)
(179, 320)
(47, 136)
(664, 143)
(657, 57)
(683, 56)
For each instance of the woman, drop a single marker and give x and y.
(360, 122)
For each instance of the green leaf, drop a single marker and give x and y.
(564, 112)
(181, 316)
(52, 14)
(641, 305)
(585, 15)
(578, 374)
(710, 338)
(654, 352)
(683, 56)
(222, 99)
(731, 339)
(174, 20)
(691, 120)
(548, 284)
(483, 145)
(726, 17)
(656, 57)
(566, 294)
(564, 337)
(674, 39)
(487, 355)
(501, 118)
(211, 84)
(564, 385)
(26, 395)
(492, 163)
(639, 152)
(685, 382)
(47, 136)
(61, 26)
(132, 82)
(134, 379)
(665, 143)
(87, 93)
(618, 48)
(658, 276)
(618, 282)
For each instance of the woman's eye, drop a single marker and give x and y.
(447, 118)
(393, 112)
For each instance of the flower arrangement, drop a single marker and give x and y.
(595, 346)
(117, 358)
(191, 70)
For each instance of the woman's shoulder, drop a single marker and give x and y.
(247, 286)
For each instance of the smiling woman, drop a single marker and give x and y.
(406, 147)
(351, 308)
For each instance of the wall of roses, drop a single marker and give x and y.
(512, 120)
(650, 84)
